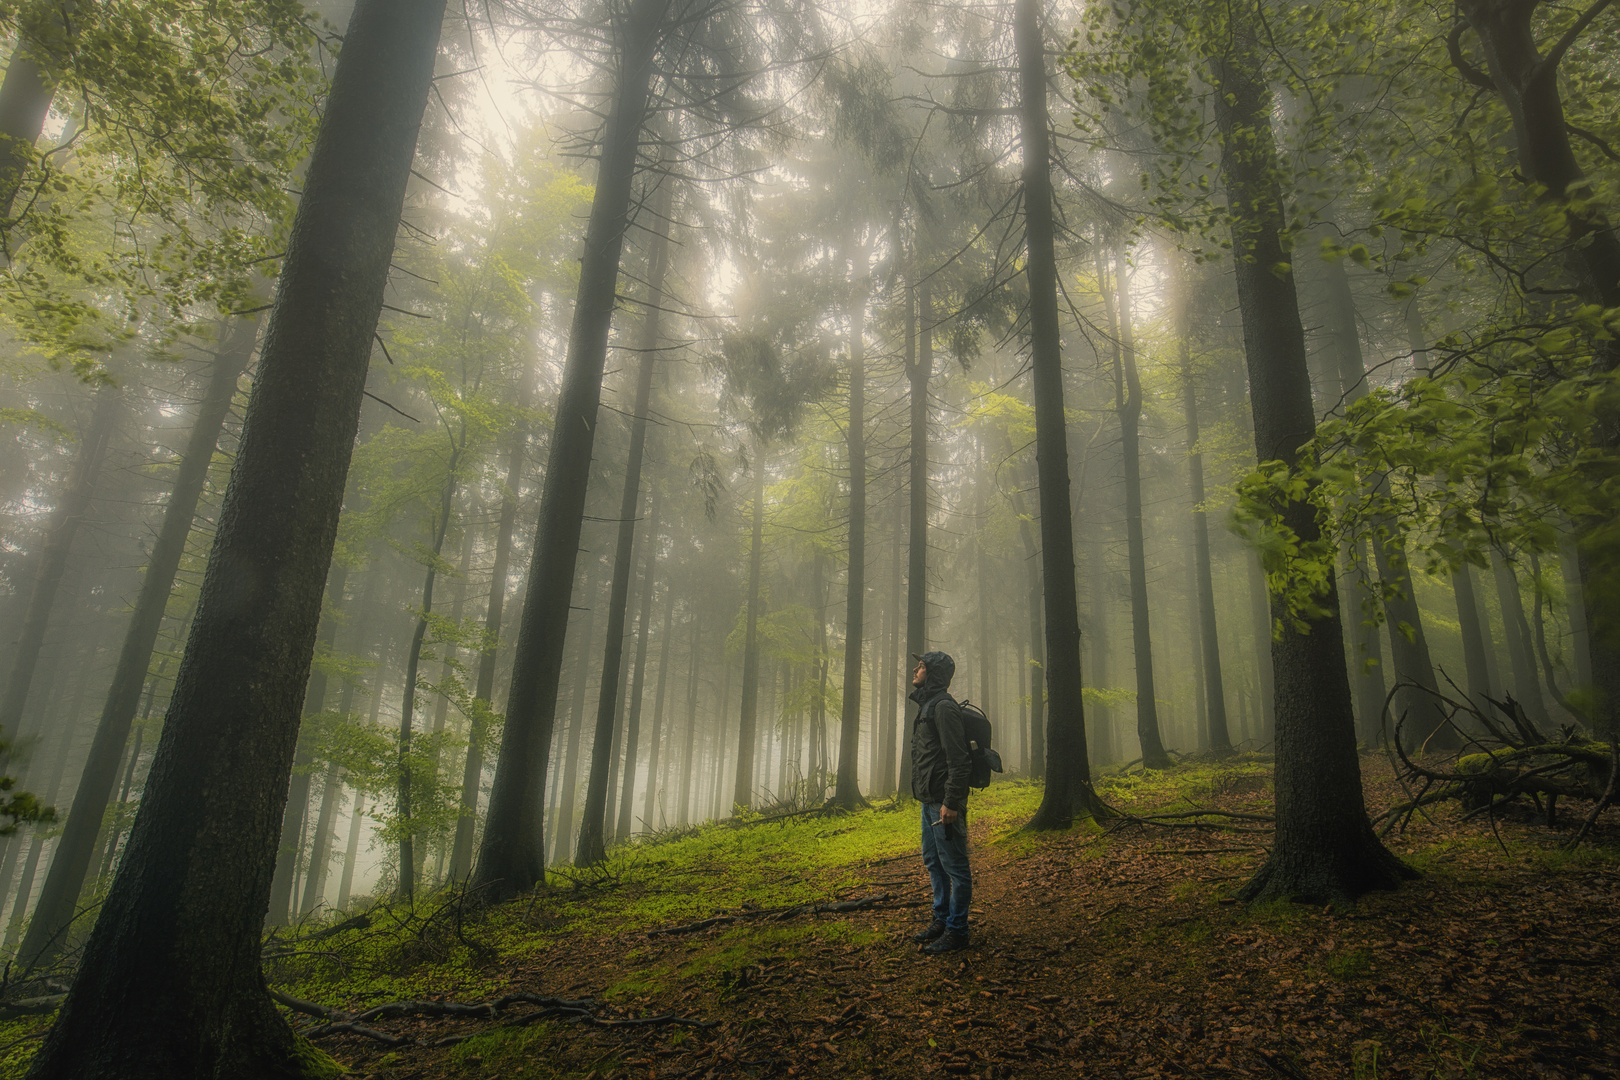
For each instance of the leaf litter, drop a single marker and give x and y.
(1095, 953)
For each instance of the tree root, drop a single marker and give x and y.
(783, 913)
(581, 1010)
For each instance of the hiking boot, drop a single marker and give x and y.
(945, 943)
(929, 932)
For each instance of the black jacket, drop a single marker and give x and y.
(940, 762)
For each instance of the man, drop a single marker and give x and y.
(940, 765)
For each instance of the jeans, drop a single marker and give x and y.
(944, 852)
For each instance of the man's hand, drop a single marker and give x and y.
(947, 816)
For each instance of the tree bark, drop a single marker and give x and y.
(1325, 848)
(656, 736)
(569, 791)
(846, 788)
(592, 847)
(1037, 672)
(59, 897)
(1128, 403)
(413, 660)
(472, 770)
(170, 984)
(511, 858)
(638, 671)
(919, 368)
(1068, 794)
(1220, 736)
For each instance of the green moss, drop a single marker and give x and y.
(500, 1049)
(1348, 964)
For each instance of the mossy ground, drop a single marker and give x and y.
(1107, 956)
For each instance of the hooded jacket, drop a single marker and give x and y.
(940, 762)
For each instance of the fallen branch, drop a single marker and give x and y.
(581, 1010)
(782, 913)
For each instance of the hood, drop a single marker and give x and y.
(940, 669)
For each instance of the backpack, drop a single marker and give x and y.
(976, 727)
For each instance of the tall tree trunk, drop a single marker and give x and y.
(472, 769)
(1220, 736)
(655, 737)
(696, 643)
(846, 788)
(170, 984)
(919, 368)
(1475, 636)
(743, 793)
(638, 671)
(512, 857)
(1408, 644)
(1516, 632)
(59, 897)
(1037, 671)
(320, 849)
(413, 661)
(346, 882)
(1068, 794)
(1128, 403)
(592, 848)
(1325, 847)
(891, 681)
(569, 790)
(61, 528)
(1260, 617)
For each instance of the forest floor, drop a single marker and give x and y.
(1118, 955)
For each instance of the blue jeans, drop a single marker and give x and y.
(944, 852)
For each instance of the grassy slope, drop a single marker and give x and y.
(1116, 956)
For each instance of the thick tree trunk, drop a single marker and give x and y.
(1128, 403)
(846, 789)
(1325, 847)
(170, 985)
(1209, 639)
(919, 368)
(1068, 794)
(59, 897)
(511, 859)
(61, 528)
(638, 671)
(743, 792)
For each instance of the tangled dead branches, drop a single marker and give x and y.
(1506, 757)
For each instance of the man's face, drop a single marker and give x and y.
(920, 674)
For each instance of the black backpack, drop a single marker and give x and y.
(976, 727)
